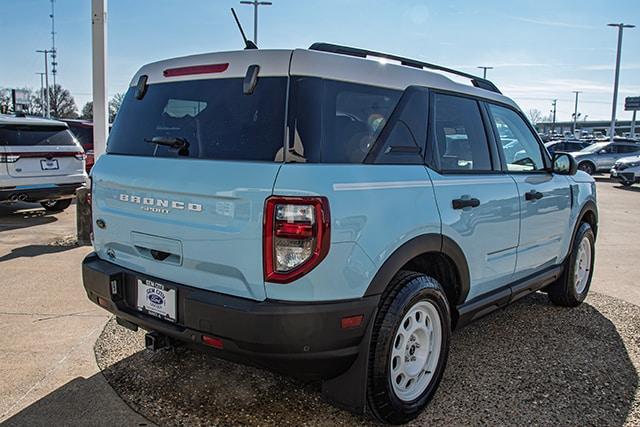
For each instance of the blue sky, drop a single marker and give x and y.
(540, 49)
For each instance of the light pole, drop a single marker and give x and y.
(621, 27)
(553, 125)
(255, 4)
(575, 112)
(42, 91)
(46, 81)
(484, 71)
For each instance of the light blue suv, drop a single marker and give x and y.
(330, 213)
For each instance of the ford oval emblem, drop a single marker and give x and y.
(156, 299)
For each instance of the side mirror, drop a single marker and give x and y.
(564, 164)
(602, 152)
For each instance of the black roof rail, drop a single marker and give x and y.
(363, 53)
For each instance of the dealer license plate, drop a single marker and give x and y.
(157, 299)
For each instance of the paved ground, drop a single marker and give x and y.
(48, 373)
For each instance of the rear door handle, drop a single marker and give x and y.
(465, 203)
(533, 195)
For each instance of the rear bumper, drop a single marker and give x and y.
(302, 339)
(37, 193)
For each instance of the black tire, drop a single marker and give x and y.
(587, 167)
(563, 292)
(56, 205)
(405, 290)
(626, 183)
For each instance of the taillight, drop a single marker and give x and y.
(9, 158)
(80, 156)
(296, 236)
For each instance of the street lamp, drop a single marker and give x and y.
(255, 4)
(575, 112)
(484, 71)
(42, 91)
(621, 27)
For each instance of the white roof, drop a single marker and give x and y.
(313, 63)
(32, 121)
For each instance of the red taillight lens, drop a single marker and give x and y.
(296, 236)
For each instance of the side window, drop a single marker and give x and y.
(459, 134)
(521, 149)
(628, 149)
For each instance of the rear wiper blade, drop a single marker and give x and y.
(169, 141)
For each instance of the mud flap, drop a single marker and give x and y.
(349, 390)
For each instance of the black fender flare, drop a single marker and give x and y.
(589, 206)
(417, 246)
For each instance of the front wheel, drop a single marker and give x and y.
(409, 348)
(56, 205)
(572, 287)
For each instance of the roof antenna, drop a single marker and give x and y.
(248, 44)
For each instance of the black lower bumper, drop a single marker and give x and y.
(302, 339)
(38, 194)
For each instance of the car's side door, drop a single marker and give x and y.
(606, 157)
(545, 198)
(478, 203)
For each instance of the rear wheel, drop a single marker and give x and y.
(409, 348)
(572, 287)
(587, 167)
(56, 205)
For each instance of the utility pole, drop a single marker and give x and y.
(575, 112)
(42, 91)
(484, 71)
(621, 27)
(99, 75)
(553, 125)
(54, 52)
(46, 81)
(256, 4)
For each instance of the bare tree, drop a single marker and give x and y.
(87, 111)
(61, 103)
(534, 115)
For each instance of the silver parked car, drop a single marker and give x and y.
(601, 156)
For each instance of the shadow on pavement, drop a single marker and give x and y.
(13, 217)
(633, 189)
(80, 402)
(530, 364)
(35, 250)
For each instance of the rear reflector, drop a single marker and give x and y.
(213, 342)
(103, 302)
(351, 321)
(195, 69)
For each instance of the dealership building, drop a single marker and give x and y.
(623, 127)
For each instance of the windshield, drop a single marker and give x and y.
(217, 120)
(24, 135)
(594, 147)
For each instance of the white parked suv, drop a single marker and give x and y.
(40, 161)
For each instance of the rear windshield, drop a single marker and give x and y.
(336, 122)
(217, 120)
(84, 136)
(22, 135)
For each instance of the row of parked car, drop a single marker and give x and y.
(620, 157)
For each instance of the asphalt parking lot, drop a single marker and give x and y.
(63, 362)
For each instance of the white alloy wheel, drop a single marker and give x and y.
(582, 267)
(415, 351)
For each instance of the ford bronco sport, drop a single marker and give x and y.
(330, 212)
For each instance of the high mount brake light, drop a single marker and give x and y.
(296, 236)
(195, 69)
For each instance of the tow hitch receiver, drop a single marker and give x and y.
(154, 341)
